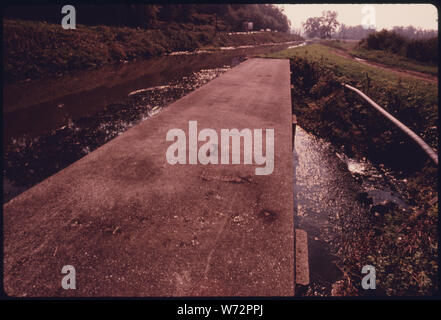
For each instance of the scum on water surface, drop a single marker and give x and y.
(28, 160)
(59, 120)
(335, 201)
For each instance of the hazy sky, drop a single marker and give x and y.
(386, 15)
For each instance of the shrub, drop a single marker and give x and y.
(424, 50)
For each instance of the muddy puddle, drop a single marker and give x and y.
(51, 123)
(334, 197)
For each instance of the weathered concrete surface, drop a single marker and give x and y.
(302, 262)
(133, 225)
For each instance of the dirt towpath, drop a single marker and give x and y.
(400, 72)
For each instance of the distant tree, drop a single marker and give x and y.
(230, 16)
(424, 50)
(329, 23)
(323, 26)
(170, 13)
(415, 33)
(297, 31)
(352, 32)
(151, 14)
(313, 27)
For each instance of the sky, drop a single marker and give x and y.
(386, 15)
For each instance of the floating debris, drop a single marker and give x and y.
(344, 205)
(149, 89)
(30, 160)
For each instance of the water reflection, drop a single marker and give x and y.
(50, 123)
(36, 107)
(28, 159)
(329, 205)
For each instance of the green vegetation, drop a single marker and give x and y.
(323, 26)
(423, 50)
(402, 245)
(413, 101)
(359, 32)
(339, 44)
(406, 48)
(352, 32)
(226, 17)
(35, 44)
(33, 49)
(394, 60)
(381, 56)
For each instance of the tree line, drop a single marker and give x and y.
(327, 26)
(424, 50)
(358, 32)
(226, 17)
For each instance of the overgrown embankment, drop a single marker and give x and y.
(390, 48)
(402, 246)
(317, 74)
(34, 49)
(382, 57)
(394, 60)
(423, 50)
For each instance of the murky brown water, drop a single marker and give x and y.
(330, 192)
(50, 123)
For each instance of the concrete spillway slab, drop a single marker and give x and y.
(131, 224)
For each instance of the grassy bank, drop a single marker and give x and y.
(412, 101)
(394, 60)
(424, 50)
(382, 56)
(340, 44)
(34, 49)
(401, 245)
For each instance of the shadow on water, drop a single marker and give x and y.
(50, 123)
(333, 195)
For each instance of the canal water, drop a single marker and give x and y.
(333, 195)
(50, 123)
